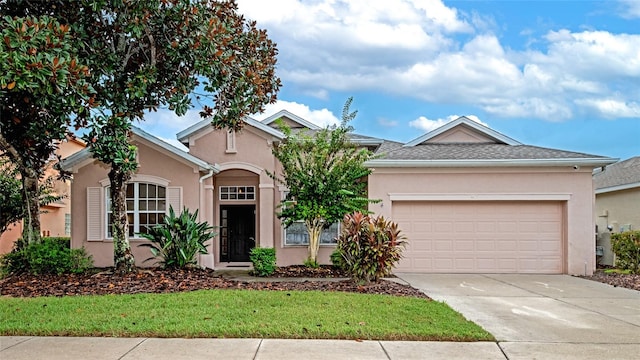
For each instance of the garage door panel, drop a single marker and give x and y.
(481, 236)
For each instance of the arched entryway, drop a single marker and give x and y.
(236, 201)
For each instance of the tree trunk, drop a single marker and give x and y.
(31, 221)
(314, 228)
(122, 257)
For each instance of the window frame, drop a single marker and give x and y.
(333, 242)
(136, 204)
(245, 192)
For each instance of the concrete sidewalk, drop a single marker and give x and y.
(57, 348)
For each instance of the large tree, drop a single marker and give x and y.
(325, 174)
(147, 54)
(42, 85)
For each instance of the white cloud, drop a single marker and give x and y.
(613, 108)
(428, 50)
(423, 123)
(322, 117)
(630, 9)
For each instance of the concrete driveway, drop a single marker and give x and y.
(543, 316)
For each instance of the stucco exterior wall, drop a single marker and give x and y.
(620, 209)
(573, 187)
(52, 218)
(154, 163)
(247, 163)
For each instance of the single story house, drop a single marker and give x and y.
(617, 189)
(468, 198)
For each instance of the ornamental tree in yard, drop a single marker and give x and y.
(325, 174)
(147, 54)
(43, 84)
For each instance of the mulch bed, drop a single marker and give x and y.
(168, 281)
(629, 281)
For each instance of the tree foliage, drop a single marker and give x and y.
(42, 85)
(148, 54)
(325, 174)
(12, 204)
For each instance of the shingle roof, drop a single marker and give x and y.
(622, 173)
(474, 151)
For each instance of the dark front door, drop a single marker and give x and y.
(237, 232)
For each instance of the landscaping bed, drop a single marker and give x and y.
(168, 281)
(629, 281)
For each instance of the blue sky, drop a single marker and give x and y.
(558, 74)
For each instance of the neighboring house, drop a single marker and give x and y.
(469, 198)
(617, 202)
(55, 218)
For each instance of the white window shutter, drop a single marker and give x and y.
(94, 214)
(174, 199)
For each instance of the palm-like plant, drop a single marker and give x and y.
(178, 239)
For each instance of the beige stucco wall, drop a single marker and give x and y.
(503, 183)
(248, 165)
(52, 218)
(620, 210)
(153, 162)
(620, 207)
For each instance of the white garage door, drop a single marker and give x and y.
(481, 237)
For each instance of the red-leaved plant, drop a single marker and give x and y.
(370, 246)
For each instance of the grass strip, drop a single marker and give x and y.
(239, 314)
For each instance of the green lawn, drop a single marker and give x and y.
(239, 314)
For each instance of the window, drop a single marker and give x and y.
(67, 224)
(296, 234)
(237, 192)
(146, 206)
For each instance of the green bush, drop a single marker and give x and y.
(370, 246)
(337, 259)
(264, 261)
(626, 246)
(50, 256)
(178, 239)
(310, 263)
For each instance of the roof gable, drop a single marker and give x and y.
(462, 130)
(291, 120)
(84, 156)
(205, 125)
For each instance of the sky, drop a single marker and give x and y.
(556, 74)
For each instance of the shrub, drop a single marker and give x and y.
(178, 239)
(310, 263)
(264, 261)
(50, 256)
(626, 246)
(370, 246)
(337, 259)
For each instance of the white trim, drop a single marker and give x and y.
(79, 159)
(184, 135)
(291, 116)
(468, 122)
(617, 188)
(572, 163)
(235, 165)
(182, 155)
(266, 186)
(156, 180)
(231, 142)
(479, 197)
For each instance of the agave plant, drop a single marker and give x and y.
(178, 239)
(369, 246)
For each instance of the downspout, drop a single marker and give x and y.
(201, 261)
(201, 190)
